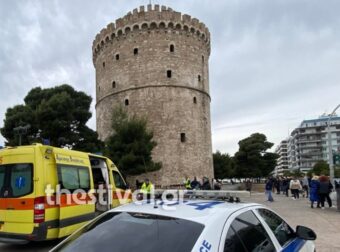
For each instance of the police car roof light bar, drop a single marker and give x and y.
(230, 196)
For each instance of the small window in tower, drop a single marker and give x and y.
(126, 102)
(195, 100)
(202, 58)
(104, 64)
(135, 51)
(169, 73)
(183, 137)
(113, 84)
(117, 56)
(172, 48)
(199, 77)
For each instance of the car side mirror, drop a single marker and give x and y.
(305, 233)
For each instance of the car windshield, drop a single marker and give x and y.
(123, 231)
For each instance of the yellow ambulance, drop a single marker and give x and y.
(48, 192)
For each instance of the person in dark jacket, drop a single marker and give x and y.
(249, 185)
(277, 185)
(195, 184)
(314, 191)
(285, 186)
(269, 188)
(331, 187)
(138, 184)
(324, 191)
(205, 184)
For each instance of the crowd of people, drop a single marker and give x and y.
(204, 184)
(316, 188)
(195, 184)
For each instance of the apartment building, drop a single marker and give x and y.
(282, 161)
(308, 143)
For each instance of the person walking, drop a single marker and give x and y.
(278, 185)
(295, 187)
(305, 186)
(330, 187)
(285, 186)
(269, 188)
(248, 185)
(324, 191)
(314, 191)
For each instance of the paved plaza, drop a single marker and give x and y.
(325, 223)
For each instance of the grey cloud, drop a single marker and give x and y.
(268, 58)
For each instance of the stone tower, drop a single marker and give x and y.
(154, 62)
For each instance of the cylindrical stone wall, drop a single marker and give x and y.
(154, 63)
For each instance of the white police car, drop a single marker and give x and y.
(192, 225)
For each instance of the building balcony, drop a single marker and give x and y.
(309, 141)
(311, 159)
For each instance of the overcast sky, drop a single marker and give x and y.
(273, 63)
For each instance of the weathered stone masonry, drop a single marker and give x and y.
(154, 62)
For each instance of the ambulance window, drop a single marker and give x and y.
(2, 177)
(21, 179)
(73, 177)
(119, 182)
(84, 178)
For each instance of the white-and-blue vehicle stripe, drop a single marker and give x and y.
(294, 246)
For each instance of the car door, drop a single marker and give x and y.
(244, 232)
(283, 233)
(120, 194)
(16, 198)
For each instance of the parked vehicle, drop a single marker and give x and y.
(30, 211)
(191, 225)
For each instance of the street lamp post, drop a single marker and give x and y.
(21, 130)
(330, 149)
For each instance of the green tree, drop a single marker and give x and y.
(252, 158)
(337, 173)
(58, 114)
(288, 173)
(295, 173)
(223, 165)
(320, 167)
(130, 147)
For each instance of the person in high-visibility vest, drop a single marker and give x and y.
(147, 187)
(187, 183)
